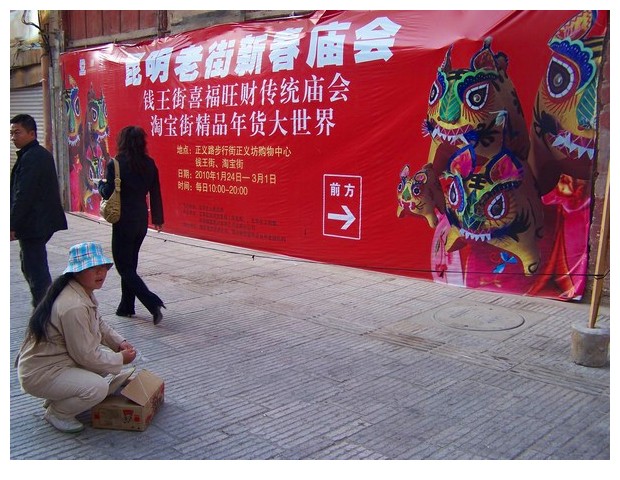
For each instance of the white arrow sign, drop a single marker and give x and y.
(347, 217)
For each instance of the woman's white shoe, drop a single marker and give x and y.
(66, 426)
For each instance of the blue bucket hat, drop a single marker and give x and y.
(86, 255)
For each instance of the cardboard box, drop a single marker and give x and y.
(134, 407)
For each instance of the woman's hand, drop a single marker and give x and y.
(128, 350)
(129, 355)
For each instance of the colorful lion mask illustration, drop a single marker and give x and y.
(493, 201)
(465, 105)
(564, 130)
(564, 149)
(477, 172)
(420, 194)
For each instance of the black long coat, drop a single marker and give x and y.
(36, 208)
(134, 188)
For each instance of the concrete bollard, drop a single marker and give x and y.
(590, 346)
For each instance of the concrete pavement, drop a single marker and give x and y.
(269, 357)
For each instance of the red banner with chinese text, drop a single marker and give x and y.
(456, 146)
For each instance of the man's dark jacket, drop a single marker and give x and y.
(36, 209)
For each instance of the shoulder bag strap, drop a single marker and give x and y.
(117, 176)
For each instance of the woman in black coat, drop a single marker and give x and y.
(139, 177)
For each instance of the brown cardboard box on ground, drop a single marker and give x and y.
(135, 406)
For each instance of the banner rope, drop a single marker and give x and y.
(266, 256)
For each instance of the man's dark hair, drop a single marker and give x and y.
(25, 121)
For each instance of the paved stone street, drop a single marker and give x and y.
(268, 357)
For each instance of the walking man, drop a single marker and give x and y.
(36, 208)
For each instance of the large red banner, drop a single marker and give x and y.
(456, 146)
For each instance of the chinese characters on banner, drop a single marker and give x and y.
(284, 135)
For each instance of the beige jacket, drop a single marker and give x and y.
(78, 337)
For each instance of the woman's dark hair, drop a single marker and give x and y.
(131, 142)
(40, 318)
